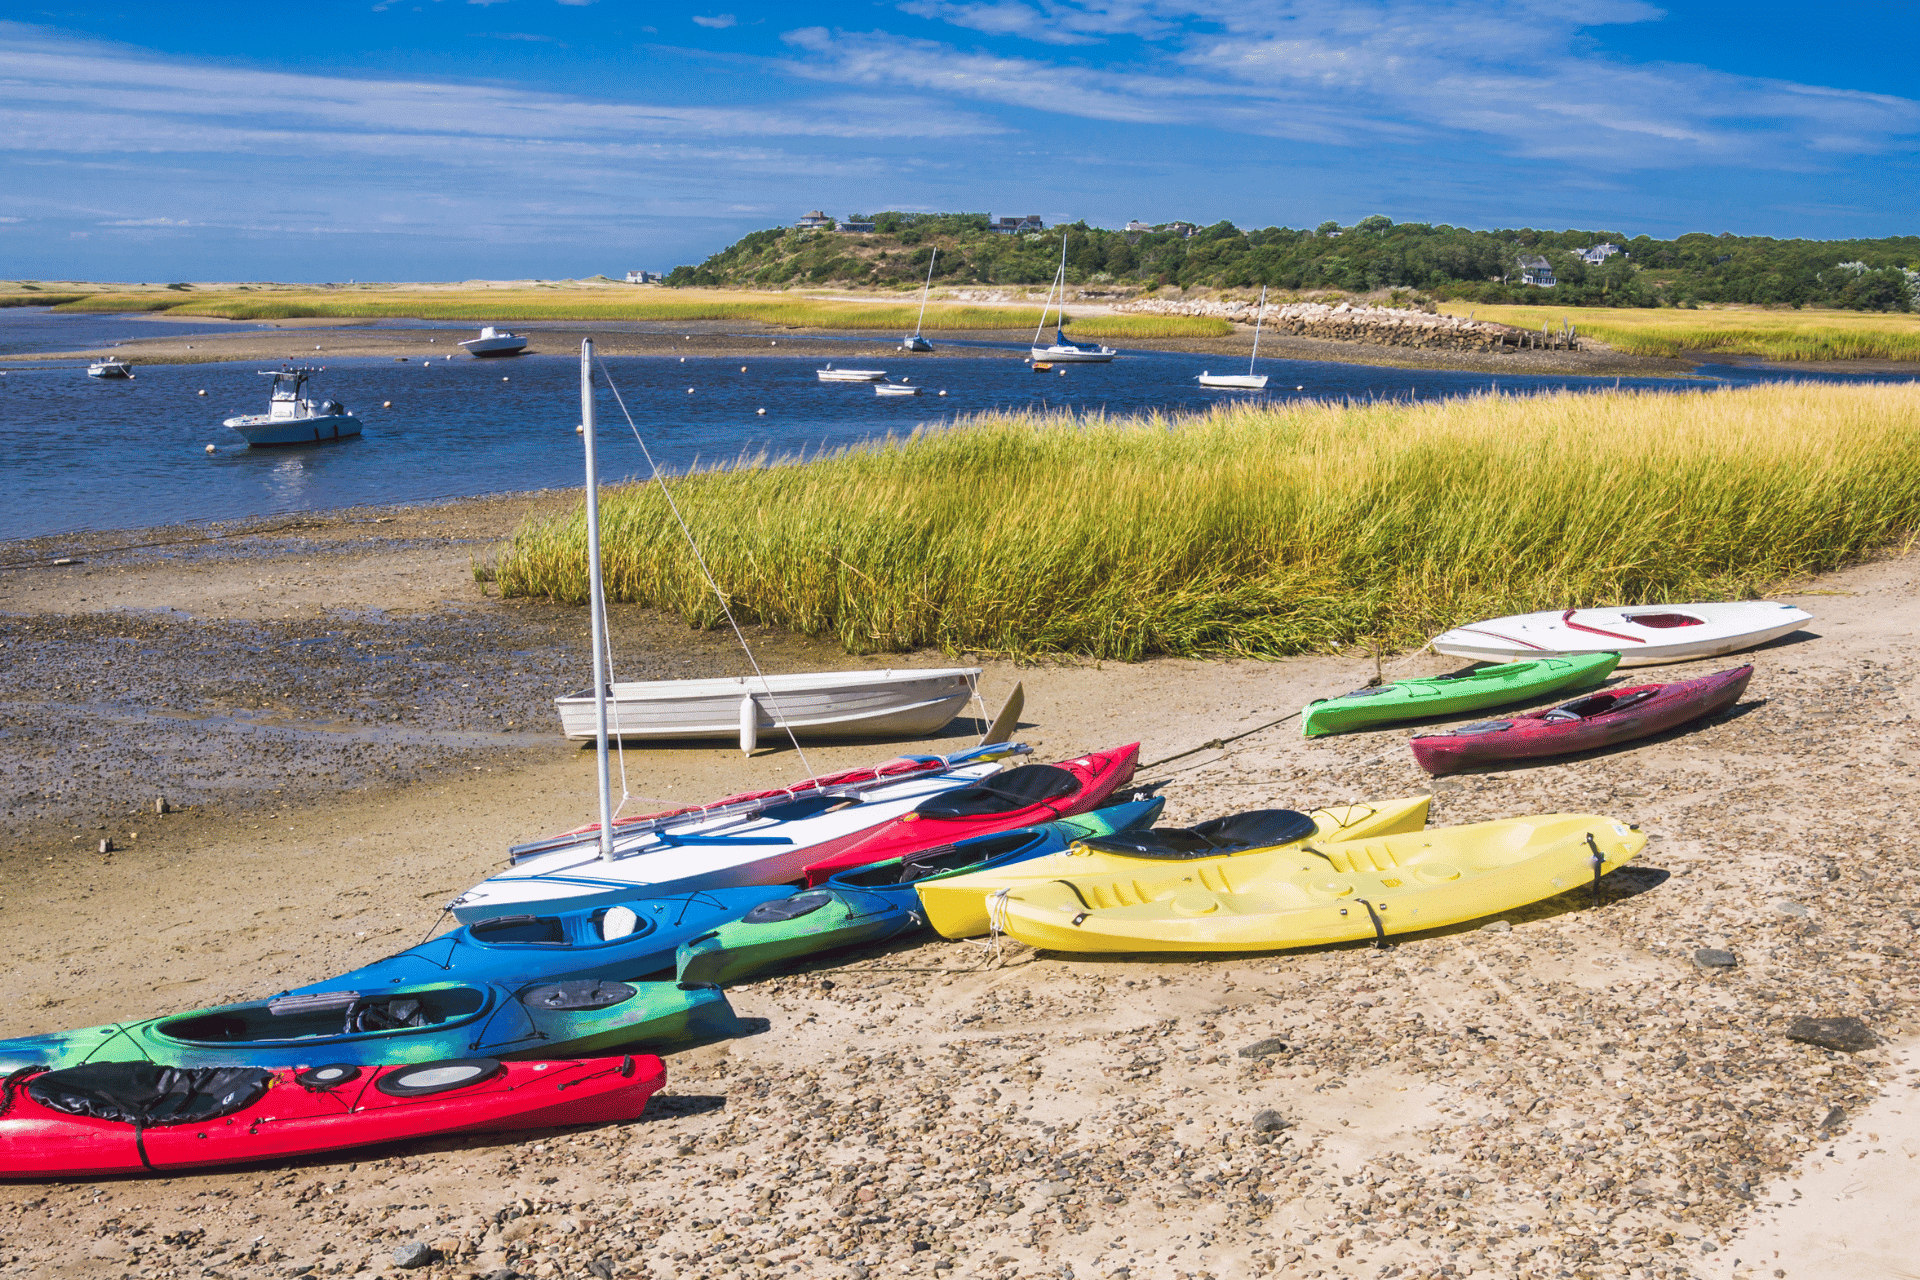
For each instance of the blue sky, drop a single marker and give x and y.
(451, 139)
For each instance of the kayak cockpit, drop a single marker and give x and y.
(324, 1015)
(1598, 704)
(1236, 833)
(938, 861)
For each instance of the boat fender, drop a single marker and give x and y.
(437, 1077)
(327, 1076)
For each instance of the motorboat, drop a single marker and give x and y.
(1248, 381)
(293, 419)
(110, 369)
(915, 341)
(901, 388)
(495, 342)
(825, 704)
(831, 374)
(1062, 351)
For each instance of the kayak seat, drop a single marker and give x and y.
(1256, 829)
(147, 1095)
(510, 929)
(1030, 784)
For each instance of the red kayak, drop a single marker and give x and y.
(1597, 720)
(134, 1117)
(1022, 797)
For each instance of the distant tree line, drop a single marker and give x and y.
(1444, 262)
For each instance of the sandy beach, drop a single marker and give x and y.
(349, 732)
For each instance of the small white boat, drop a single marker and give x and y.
(895, 389)
(831, 374)
(495, 342)
(830, 704)
(915, 341)
(1062, 351)
(1642, 636)
(110, 369)
(766, 841)
(1248, 381)
(291, 419)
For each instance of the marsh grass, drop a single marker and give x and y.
(1773, 335)
(618, 303)
(1265, 531)
(38, 299)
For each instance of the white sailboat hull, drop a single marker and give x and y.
(914, 342)
(850, 375)
(1642, 636)
(1233, 381)
(653, 864)
(1075, 355)
(845, 704)
(507, 345)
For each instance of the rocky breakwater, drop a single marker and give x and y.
(1381, 326)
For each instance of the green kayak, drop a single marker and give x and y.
(1490, 686)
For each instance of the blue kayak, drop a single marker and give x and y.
(627, 940)
(878, 903)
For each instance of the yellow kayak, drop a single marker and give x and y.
(957, 905)
(1322, 892)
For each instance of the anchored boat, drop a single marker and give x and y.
(110, 369)
(1248, 381)
(831, 374)
(495, 342)
(293, 419)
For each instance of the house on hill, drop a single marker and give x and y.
(1014, 226)
(1137, 227)
(1599, 253)
(850, 226)
(815, 221)
(1536, 271)
(644, 277)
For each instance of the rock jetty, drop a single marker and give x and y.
(1382, 326)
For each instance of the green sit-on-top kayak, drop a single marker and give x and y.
(1490, 686)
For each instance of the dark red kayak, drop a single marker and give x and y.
(135, 1117)
(1598, 720)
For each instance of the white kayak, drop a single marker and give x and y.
(768, 842)
(1642, 636)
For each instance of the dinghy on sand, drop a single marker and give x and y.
(1642, 636)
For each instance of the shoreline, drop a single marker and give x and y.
(1570, 1092)
(739, 339)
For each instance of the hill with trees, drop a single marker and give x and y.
(1443, 262)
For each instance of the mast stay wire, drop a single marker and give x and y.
(699, 559)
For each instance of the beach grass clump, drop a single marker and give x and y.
(1787, 336)
(1140, 327)
(1264, 531)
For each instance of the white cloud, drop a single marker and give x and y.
(718, 22)
(1520, 73)
(147, 222)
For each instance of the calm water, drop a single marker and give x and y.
(81, 453)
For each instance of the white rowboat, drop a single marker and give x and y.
(831, 704)
(110, 369)
(831, 374)
(894, 389)
(1642, 636)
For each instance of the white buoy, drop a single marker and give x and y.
(203, 393)
(743, 368)
(761, 412)
(943, 393)
(749, 725)
(386, 404)
(209, 448)
(683, 359)
(579, 430)
(504, 379)
(1299, 388)
(316, 347)
(689, 390)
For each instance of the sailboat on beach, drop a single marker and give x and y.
(1062, 351)
(914, 341)
(1248, 381)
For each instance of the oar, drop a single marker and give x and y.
(1009, 718)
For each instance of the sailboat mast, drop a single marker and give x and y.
(920, 323)
(597, 595)
(1259, 317)
(1050, 288)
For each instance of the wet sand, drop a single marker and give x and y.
(1564, 1093)
(297, 340)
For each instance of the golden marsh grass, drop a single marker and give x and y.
(1265, 531)
(1773, 335)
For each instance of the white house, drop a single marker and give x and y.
(1014, 226)
(644, 277)
(815, 221)
(1536, 271)
(1599, 253)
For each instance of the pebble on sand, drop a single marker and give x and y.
(1845, 1035)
